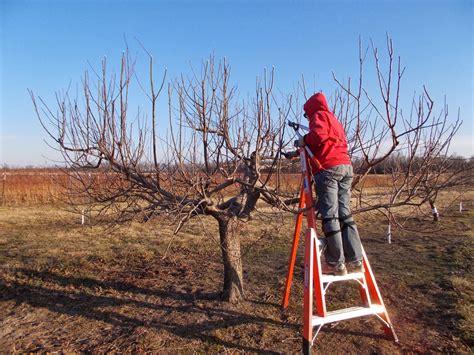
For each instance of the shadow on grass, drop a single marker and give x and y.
(82, 302)
(347, 332)
(74, 296)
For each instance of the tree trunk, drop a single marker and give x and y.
(233, 289)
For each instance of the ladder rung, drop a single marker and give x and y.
(347, 313)
(333, 278)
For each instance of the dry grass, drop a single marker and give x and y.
(465, 294)
(26, 187)
(30, 186)
(70, 288)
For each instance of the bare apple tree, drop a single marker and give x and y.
(227, 155)
(216, 156)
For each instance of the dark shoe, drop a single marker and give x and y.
(356, 266)
(339, 269)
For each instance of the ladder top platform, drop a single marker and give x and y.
(347, 313)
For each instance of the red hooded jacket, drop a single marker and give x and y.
(326, 137)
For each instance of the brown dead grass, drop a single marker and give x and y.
(31, 186)
(464, 289)
(71, 288)
(27, 187)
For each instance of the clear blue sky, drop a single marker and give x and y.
(45, 45)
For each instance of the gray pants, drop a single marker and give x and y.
(333, 187)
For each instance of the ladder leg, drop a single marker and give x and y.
(318, 284)
(376, 298)
(306, 347)
(294, 249)
(363, 288)
(308, 291)
(388, 327)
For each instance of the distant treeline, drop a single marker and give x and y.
(393, 163)
(400, 163)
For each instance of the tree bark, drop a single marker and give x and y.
(233, 289)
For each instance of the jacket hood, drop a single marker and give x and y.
(315, 103)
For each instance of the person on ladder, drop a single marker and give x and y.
(333, 179)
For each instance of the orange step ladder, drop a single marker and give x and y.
(316, 283)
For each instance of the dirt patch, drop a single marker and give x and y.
(67, 287)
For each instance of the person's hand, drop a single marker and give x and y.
(290, 155)
(299, 142)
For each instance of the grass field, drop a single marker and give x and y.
(70, 287)
(20, 187)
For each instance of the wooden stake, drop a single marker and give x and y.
(389, 234)
(3, 187)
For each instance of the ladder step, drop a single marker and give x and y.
(333, 278)
(347, 313)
